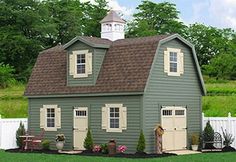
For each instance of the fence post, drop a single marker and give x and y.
(229, 122)
(203, 117)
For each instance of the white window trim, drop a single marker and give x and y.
(76, 53)
(108, 106)
(178, 51)
(50, 107)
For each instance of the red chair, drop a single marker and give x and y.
(37, 140)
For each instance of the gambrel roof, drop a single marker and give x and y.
(125, 68)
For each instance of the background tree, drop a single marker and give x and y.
(155, 18)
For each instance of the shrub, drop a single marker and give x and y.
(6, 75)
(104, 148)
(60, 137)
(20, 131)
(122, 148)
(195, 139)
(208, 135)
(96, 148)
(228, 138)
(88, 142)
(141, 143)
(46, 144)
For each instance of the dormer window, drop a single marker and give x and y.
(80, 64)
(173, 62)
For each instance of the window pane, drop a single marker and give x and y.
(173, 67)
(173, 56)
(80, 69)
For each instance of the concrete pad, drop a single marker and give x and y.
(184, 152)
(70, 152)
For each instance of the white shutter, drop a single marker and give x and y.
(42, 117)
(89, 61)
(166, 61)
(181, 63)
(72, 64)
(123, 112)
(58, 117)
(104, 117)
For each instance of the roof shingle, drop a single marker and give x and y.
(125, 68)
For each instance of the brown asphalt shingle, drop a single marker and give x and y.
(125, 68)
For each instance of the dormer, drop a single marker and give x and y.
(112, 27)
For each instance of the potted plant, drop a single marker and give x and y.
(195, 141)
(60, 140)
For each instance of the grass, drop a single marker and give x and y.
(12, 102)
(29, 157)
(228, 88)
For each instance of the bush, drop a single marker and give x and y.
(46, 144)
(228, 138)
(208, 135)
(88, 142)
(6, 75)
(141, 143)
(97, 148)
(104, 148)
(20, 131)
(195, 139)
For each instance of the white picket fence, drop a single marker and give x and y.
(217, 123)
(8, 129)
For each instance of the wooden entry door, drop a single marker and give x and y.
(80, 127)
(174, 123)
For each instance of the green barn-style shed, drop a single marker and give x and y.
(117, 87)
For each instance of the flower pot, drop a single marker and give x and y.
(60, 145)
(112, 147)
(194, 147)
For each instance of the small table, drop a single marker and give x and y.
(28, 139)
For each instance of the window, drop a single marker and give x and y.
(114, 117)
(50, 117)
(167, 112)
(81, 64)
(80, 113)
(173, 62)
(179, 112)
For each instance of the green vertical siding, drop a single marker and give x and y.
(163, 90)
(128, 137)
(98, 55)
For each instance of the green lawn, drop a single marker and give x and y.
(30, 157)
(12, 102)
(228, 88)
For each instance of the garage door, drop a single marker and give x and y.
(174, 123)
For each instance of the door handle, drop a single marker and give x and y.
(175, 129)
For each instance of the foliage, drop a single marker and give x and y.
(60, 137)
(222, 66)
(141, 142)
(228, 138)
(88, 142)
(195, 139)
(155, 18)
(104, 148)
(46, 144)
(208, 132)
(20, 131)
(97, 148)
(6, 75)
(210, 41)
(122, 148)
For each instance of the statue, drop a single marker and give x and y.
(159, 131)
